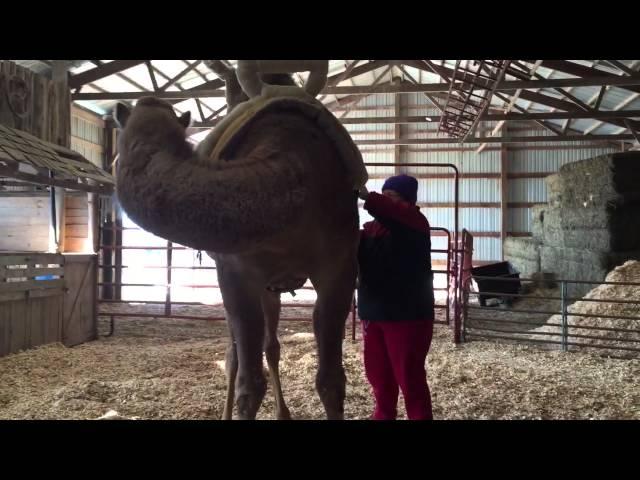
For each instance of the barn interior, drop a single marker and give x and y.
(530, 162)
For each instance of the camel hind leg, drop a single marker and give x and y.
(271, 306)
(335, 285)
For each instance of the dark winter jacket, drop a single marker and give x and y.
(395, 280)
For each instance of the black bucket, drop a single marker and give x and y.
(503, 273)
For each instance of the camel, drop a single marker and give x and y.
(271, 302)
(276, 208)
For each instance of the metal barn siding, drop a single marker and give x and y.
(527, 190)
(487, 249)
(471, 190)
(550, 161)
(465, 162)
(519, 220)
(382, 156)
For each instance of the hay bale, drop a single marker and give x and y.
(552, 232)
(545, 280)
(599, 240)
(525, 248)
(603, 228)
(523, 254)
(628, 272)
(574, 264)
(555, 188)
(587, 239)
(581, 264)
(537, 221)
(585, 217)
(590, 224)
(604, 180)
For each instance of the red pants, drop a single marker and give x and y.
(395, 355)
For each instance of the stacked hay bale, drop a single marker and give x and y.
(591, 222)
(524, 255)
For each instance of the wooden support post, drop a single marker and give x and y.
(105, 275)
(504, 196)
(397, 129)
(93, 216)
(60, 75)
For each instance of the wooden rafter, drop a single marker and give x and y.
(336, 79)
(564, 93)
(567, 124)
(446, 73)
(402, 87)
(199, 105)
(122, 76)
(376, 81)
(603, 89)
(545, 125)
(622, 67)
(164, 87)
(102, 71)
(200, 74)
(431, 98)
(514, 98)
(218, 67)
(633, 130)
(620, 106)
(210, 84)
(152, 75)
(584, 72)
(492, 117)
(578, 104)
(503, 139)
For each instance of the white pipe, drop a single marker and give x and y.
(249, 71)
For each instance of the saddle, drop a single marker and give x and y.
(276, 98)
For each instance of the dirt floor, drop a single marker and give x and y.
(174, 369)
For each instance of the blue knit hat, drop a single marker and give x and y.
(405, 185)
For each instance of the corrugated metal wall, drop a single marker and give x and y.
(485, 220)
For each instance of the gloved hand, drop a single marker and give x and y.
(363, 193)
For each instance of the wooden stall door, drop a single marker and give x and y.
(80, 323)
(31, 306)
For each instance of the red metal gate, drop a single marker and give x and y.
(460, 278)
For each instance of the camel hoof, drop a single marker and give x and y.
(283, 415)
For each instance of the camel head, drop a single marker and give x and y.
(153, 122)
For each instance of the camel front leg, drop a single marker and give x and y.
(242, 301)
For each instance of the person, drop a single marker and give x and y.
(395, 298)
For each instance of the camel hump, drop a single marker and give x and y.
(274, 99)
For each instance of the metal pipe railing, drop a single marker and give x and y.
(566, 329)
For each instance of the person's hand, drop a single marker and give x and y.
(363, 193)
